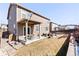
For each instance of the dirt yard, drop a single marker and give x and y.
(44, 47)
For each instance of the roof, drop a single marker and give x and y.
(55, 23)
(26, 10)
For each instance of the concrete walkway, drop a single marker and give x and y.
(71, 50)
(8, 50)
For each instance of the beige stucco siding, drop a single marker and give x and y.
(16, 15)
(20, 12)
(44, 22)
(33, 29)
(20, 29)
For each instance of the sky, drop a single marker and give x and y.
(60, 13)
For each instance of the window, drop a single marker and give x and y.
(23, 15)
(37, 28)
(24, 30)
(28, 32)
(46, 28)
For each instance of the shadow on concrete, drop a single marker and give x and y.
(64, 48)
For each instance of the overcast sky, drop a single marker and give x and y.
(58, 13)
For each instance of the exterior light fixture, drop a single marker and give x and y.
(29, 16)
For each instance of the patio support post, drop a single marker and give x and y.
(17, 35)
(26, 26)
(39, 31)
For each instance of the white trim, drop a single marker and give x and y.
(27, 31)
(30, 29)
(23, 30)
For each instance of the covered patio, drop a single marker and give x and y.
(26, 29)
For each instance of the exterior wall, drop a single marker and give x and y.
(35, 31)
(20, 27)
(12, 19)
(20, 12)
(53, 26)
(44, 22)
(20, 31)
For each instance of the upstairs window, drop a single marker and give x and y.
(37, 28)
(23, 15)
(46, 28)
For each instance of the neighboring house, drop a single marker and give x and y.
(23, 22)
(3, 27)
(54, 26)
(63, 27)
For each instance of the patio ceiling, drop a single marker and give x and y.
(31, 22)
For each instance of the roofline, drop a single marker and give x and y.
(55, 23)
(26, 10)
(9, 9)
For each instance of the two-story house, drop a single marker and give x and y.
(25, 23)
(54, 26)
